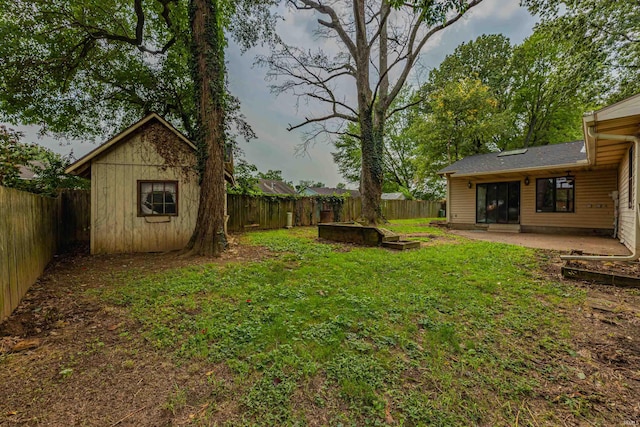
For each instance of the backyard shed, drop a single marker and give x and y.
(588, 187)
(144, 189)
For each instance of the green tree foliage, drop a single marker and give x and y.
(605, 32)
(48, 167)
(464, 118)
(275, 175)
(50, 176)
(13, 154)
(549, 91)
(486, 59)
(348, 156)
(83, 68)
(246, 179)
(540, 87)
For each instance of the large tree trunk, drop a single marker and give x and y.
(372, 170)
(209, 76)
(371, 124)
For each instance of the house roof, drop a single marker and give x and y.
(393, 196)
(82, 165)
(27, 171)
(326, 191)
(621, 119)
(271, 186)
(569, 154)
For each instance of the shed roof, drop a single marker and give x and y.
(272, 186)
(82, 165)
(569, 154)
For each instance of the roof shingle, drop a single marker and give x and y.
(545, 156)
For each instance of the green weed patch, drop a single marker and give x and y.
(444, 335)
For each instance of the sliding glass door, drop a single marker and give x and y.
(498, 203)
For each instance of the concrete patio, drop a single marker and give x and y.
(557, 242)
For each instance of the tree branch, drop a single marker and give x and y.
(322, 119)
(334, 24)
(412, 53)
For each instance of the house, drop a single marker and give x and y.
(588, 186)
(393, 196)
(272, 186)
(326, 191)
(29, 171)
(144, 188)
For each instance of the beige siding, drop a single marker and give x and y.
(462, 203)
(626, 221)
(115, 224)
(593, 205)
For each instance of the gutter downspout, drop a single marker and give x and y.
(636, 251)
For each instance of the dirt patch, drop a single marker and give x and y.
(86, 363)
(604, 372)
(433, 240)
(602, 368)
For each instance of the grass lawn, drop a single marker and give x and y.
(323, 334)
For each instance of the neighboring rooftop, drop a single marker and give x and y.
(545, 156)
(393, 196)
(272, 186)
(27, 172)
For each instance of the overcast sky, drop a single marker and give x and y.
(269, 115)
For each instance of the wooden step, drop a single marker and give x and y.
(401, 245)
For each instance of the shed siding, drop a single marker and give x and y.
(593, 205)
(115, 224)
(626, 223)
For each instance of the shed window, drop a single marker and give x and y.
(630, 177)
(555, 194)
(157, 198)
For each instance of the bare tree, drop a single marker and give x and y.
(379, 42)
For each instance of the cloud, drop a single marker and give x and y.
(498, 10)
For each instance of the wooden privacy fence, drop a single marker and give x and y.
(32, 227)
(28, 241)
(269, 212)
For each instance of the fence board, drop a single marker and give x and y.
(265, 213)
(28, 240)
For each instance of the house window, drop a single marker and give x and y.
(555, 194)
(157, 198)
(631, 177)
